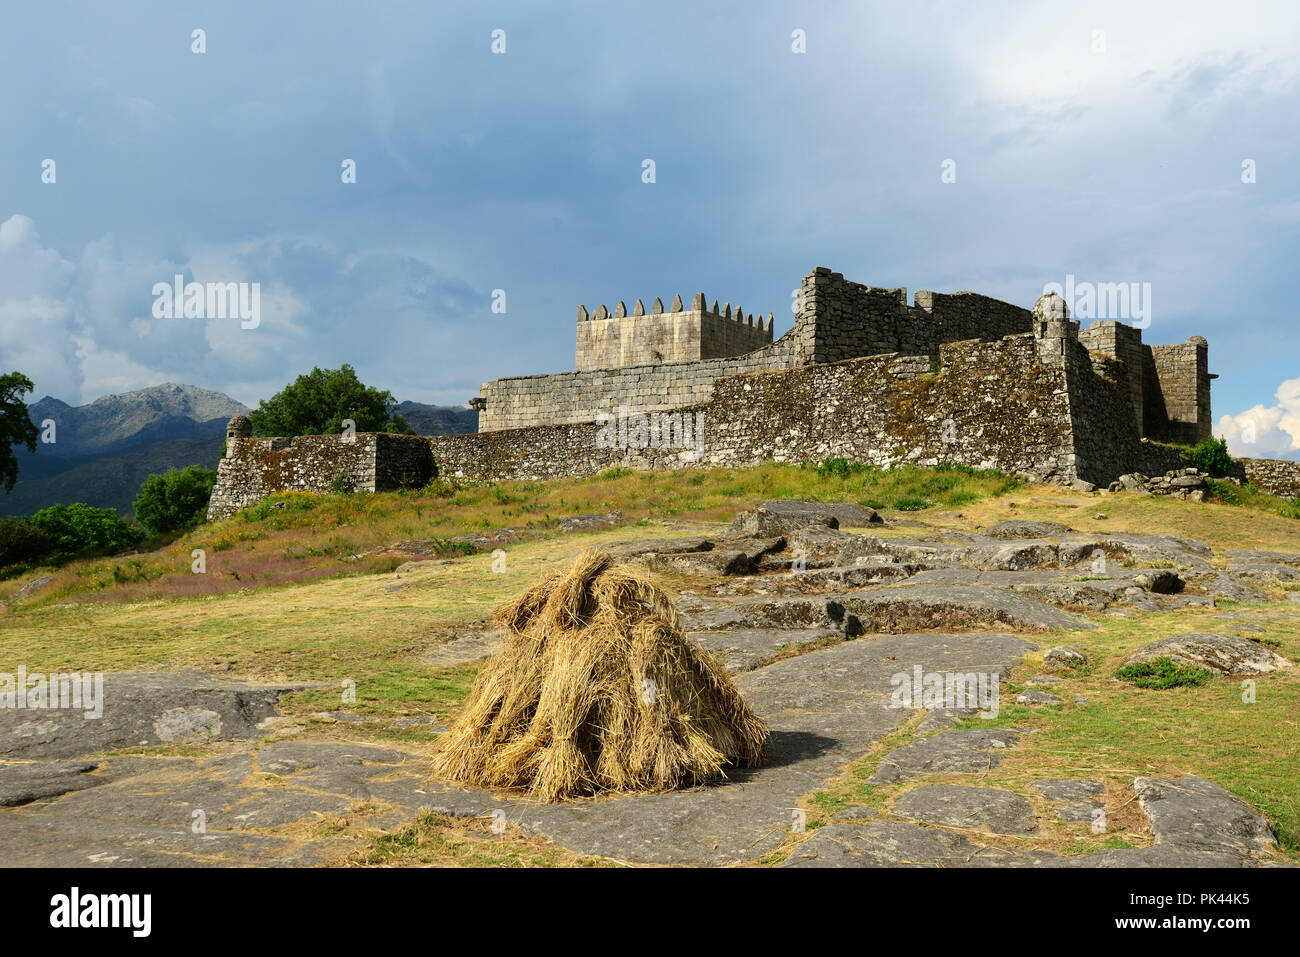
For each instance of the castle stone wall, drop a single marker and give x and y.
(848, 320)
(954, 378)
(373, 462)
(991, 405)
(1184, 387)
(835, 319)
(685, 336)
(1276, 476)
(1124, 344)
(570, 397)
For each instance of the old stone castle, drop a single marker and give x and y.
(955, 378)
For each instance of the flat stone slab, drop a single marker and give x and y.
(658, 546)
(142, 811)
(955, 805)
(882, 844)
(24, 783)
(1069, 789)
(825, 709)
(1078, 812)
(1144, 549)
(1024, 528)
(1065, 656)
(718, 561)
(1015, 555)
(744, 649)
(893, 609)
(1193, 812)
(830, 543)
(784, 515)
(1196, 823)
(995, 578)
(1265, 573)
(1222, 585)
(1225, 654)
(906, 607)
(1034, 698)
(1264, 557)
(972, 750)
(142, 709)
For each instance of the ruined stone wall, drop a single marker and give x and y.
(848, 320)
(618, 341)
(401, 461)
(1276, 476)
(991, 405)
(373, 462)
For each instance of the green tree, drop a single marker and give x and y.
(16, 426)
(318, 402)
(21, 542)
(176, 500)
(80, 529)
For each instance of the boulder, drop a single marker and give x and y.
(1033, 698)
(1024, 528)
(1225, 654)
(1065, 656)
(782, 516)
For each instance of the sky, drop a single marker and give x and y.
(995, 147)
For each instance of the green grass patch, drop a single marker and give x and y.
(1247, 496)
(1163, 672)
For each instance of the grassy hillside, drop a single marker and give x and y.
(285, 597)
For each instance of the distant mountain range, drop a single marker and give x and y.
(105, 450)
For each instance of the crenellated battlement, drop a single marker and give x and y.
(617, 340)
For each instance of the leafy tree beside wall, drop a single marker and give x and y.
(16, 426)
(318, 402)
(176, 500)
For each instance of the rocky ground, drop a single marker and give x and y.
(815, 621)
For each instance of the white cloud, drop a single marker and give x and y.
(1266, 432)
(84, 327)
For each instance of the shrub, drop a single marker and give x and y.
(174, 501)
(909, 504)
(837, 467)
(1162, 672)
(342, 484)
(1211, 457)
(81, 529)
(22, 542)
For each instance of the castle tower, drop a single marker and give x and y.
(672, 334)
(236, 429)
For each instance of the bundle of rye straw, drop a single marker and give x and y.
(598, 689)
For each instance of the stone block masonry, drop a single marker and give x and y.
(990, 405)
(663, 361)
(1277, 476)
(371, 462)
(680, 335)
(953, 378)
